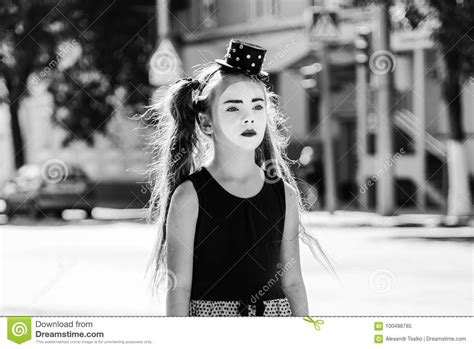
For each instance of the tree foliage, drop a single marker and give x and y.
(114, 39)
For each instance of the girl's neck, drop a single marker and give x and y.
(236, 165)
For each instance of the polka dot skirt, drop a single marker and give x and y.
(273, 307)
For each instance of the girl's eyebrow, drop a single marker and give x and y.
(240, 101)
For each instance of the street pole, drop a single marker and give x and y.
(322, 32)
(162, 21)
(362, 111)
(385, 182)
(419, 109)
(165, 63)
(326, 129)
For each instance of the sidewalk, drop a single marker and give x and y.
(371, 219)
(340, 218)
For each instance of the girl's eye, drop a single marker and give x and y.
(257, 107)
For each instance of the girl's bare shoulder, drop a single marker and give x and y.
(182, 218)
(185, 198)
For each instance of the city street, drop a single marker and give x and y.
(94, 267)
(364, 108)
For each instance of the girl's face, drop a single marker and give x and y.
(240, 108)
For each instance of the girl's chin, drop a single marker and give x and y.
(249, 146)
(246, 143)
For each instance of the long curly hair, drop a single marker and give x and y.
(178, 147)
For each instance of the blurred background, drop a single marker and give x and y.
(379, 99)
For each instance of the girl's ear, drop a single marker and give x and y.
(205, 123)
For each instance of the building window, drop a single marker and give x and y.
(264, 8)
(207, 13)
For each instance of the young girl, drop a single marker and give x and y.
(224, 199)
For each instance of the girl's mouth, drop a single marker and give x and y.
(249, 133)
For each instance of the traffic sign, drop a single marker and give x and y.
(323, 24)
(165, 65)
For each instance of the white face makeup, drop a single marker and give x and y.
(239, 108)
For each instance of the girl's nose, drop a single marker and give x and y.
(248, 119)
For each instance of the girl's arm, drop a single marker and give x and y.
(181, 225)
(292, 279)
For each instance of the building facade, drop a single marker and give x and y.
(203, 29)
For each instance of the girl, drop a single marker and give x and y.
(224, 199)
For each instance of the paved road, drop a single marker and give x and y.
(97, 268)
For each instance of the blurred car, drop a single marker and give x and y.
(33, 192)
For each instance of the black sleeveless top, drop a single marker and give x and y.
(237, 242)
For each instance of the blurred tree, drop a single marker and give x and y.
(85, 50)
(116, 38)
(26, 44)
